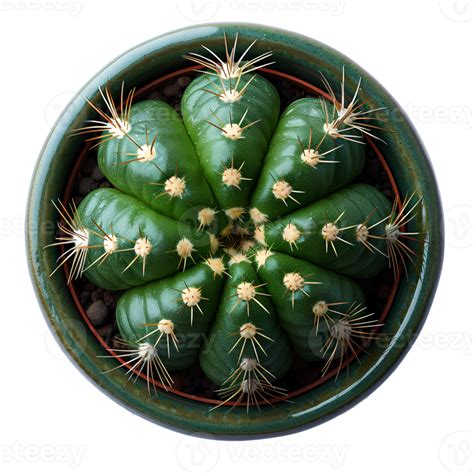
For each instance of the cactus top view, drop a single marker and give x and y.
(237, 233)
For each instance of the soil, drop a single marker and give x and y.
(100, 304)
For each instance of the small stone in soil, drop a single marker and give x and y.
(155, 95)
(117, 344)
(97, 313)
(109, 299)
(172, 90)
(86, 185)
(89, 165)
(96, 294)
(106, 331)
(85, 297)
(97, 174)
(183, 81)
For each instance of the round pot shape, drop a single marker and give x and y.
(303, 58)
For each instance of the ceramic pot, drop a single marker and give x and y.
(409, 165)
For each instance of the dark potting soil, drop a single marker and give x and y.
(100, 304)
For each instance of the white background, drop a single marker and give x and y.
(53, 420)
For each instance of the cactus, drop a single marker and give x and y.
(235, 230)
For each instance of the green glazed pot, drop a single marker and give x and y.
(404, 153)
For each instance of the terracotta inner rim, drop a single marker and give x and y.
(67, 196)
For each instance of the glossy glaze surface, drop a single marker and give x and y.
(404, 152)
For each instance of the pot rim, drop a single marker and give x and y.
(416, 310)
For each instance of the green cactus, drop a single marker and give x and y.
(235, 230)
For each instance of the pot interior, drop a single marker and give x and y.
(406, 163)
(88, 151)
